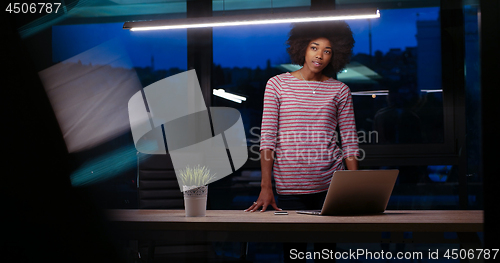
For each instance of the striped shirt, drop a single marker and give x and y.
(300, 127)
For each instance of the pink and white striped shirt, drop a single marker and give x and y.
(300, 126)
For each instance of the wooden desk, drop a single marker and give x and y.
(231, 225)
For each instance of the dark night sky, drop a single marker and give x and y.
(243, 46)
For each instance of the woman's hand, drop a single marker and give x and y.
(351, 163)
(266, 197)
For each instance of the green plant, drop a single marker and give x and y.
(196, 176)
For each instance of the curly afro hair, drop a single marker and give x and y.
(337, 32)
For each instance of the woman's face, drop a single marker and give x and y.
(318, 55)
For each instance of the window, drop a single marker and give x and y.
(154, 55)
(101, 67)
(405, 114)
(244, 60)
(238, 5)
(395, 77)
(473, 102)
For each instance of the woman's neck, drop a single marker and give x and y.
(310, 76)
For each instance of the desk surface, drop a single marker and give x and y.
(235, 220)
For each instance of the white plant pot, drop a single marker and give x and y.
(195, 200)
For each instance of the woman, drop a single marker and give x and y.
(301, 113)
(302, 110)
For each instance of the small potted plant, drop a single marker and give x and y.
(195, 188)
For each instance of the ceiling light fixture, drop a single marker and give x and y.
(229, 96)
(239, 20)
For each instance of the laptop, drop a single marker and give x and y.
(357, 192)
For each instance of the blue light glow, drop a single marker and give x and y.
(105, 167)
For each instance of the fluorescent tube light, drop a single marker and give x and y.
(238, 20)
(432, 90)
(370, 92)
(229, 96)
(386, 92)
(225, 96)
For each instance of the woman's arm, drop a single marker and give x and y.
(266, 196)
(347, 127)
(269, 130)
